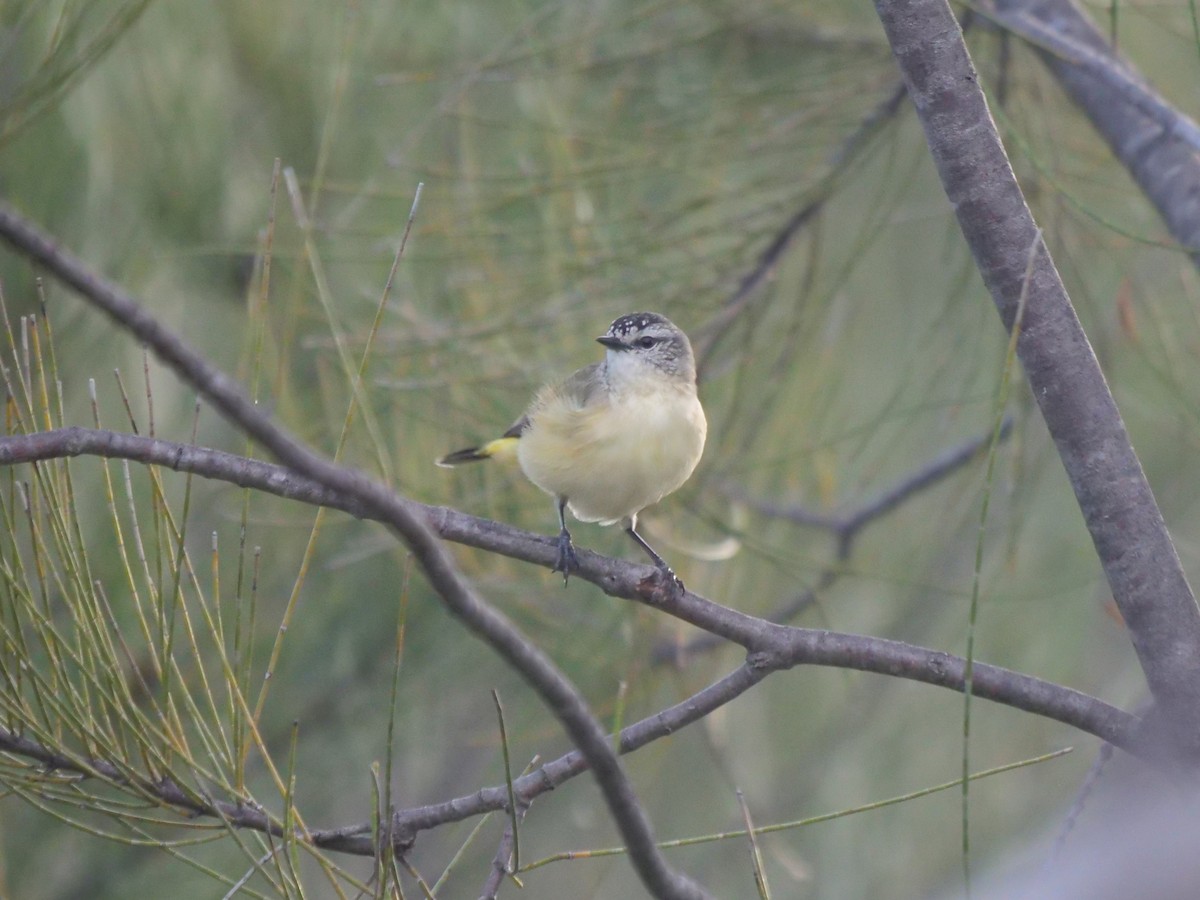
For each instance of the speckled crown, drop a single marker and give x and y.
(636, 322)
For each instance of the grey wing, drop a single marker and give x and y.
(576, 392)
(580, 389)
(584, 387)
(517, 428)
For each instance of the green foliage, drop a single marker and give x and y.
(579, 161)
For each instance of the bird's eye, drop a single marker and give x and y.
(646, 342)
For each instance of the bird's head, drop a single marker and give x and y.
(648, 343)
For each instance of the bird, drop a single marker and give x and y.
(613, 437)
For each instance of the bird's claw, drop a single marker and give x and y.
(567, 560)
(663, 585)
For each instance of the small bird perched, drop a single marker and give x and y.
(614, 437)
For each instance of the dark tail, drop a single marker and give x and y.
(458, 457)
(502, 446)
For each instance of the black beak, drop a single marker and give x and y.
(611, 342)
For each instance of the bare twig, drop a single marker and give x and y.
(502, 864)
(1090, 780)
(839, 162)
(845, 527)
(459, 596)
(846, 153)
(251, 872)
(1139, 560)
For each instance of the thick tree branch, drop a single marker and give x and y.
(1151, 138)
(1118, 506)
(435, 561)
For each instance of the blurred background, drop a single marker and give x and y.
(581, 161)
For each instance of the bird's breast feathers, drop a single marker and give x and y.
(616, 455)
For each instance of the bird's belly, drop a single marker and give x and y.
(613, 461)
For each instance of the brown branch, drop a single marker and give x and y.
(401, 516)
(1139, 560)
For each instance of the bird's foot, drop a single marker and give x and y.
(661, 586)
(567, 560)
(664, 584)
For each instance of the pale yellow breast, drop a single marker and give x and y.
(616, 456)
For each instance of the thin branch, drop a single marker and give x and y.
(168, 792)
(705, 340)
(502, 864)
(1082, 795)
(1139, 560)
(845, 526)
(459, 596)
(773, 646)
(795, 646)
(839, 162)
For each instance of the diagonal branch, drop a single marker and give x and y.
(165, 790)
(847, 152)
(1152, 139)
(800, 647)
(459, 596)
(1131, 540)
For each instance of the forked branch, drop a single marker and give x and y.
(1127, 529)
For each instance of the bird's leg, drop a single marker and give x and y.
(669, 577)
(567, 560)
